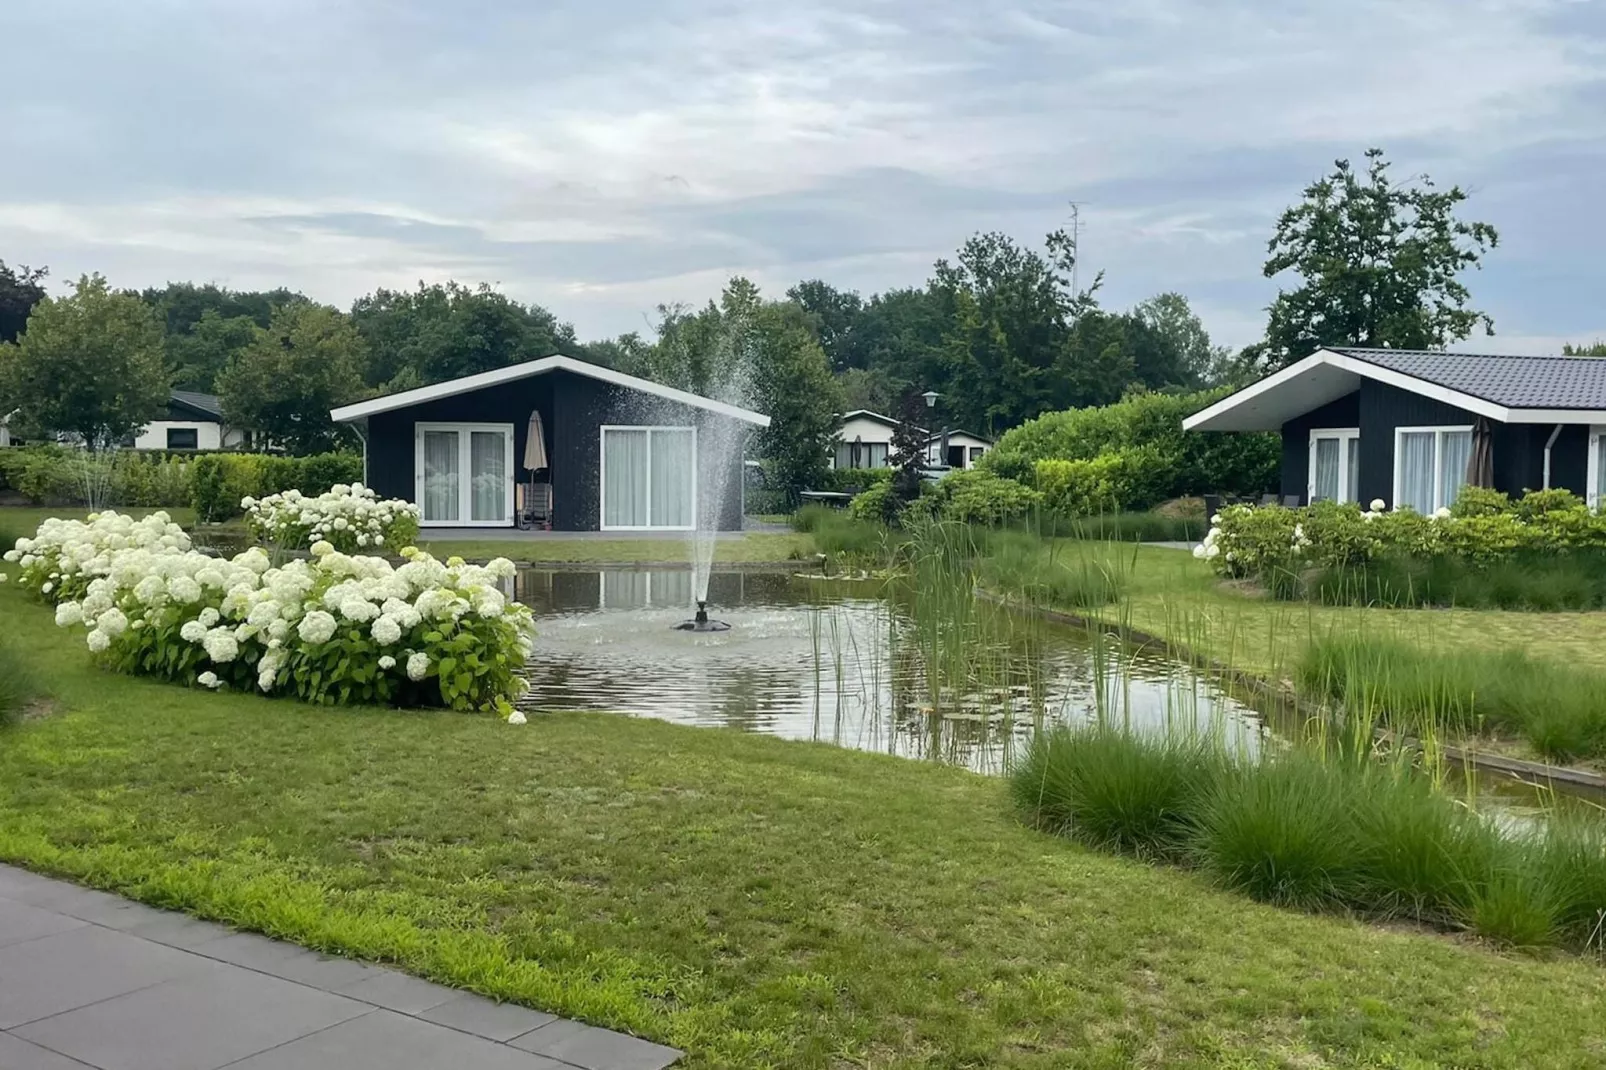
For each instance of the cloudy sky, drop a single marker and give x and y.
(602, 157)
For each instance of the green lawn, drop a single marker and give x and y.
(1180, 598)
(753, 547)
(25, 519)
(759, 903)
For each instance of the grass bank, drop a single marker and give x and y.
(759, 903)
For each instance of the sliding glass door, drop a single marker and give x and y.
(464, 474)
(649, 478)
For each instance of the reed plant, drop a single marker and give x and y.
(1545, 583)
(19, 686)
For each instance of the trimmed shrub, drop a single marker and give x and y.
(221, 481)
(55, 475)
(978, 496)
(1180, 464)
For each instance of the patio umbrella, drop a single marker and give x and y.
(535, 444)
(1480, 463)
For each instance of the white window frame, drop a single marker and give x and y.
(602, 476)
(1596, 432)
(1346, 478)
(465, 489)
(1440, 430)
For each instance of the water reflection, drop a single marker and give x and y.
(838, 663)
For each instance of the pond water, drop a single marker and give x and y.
(838, 662)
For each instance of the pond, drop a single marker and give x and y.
(841, 663)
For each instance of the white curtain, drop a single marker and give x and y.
(674, 472)
(1455, 451)
(844, 455)
(624, 491)
(1352, 473)
(1600, 471)
(1329, 481)
(1416, 470)
(441, 476)
(877, 455)
(487, 466)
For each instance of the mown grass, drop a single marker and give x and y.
(20, 520)
(1321, 832)
(759, 903)
(1559, 709)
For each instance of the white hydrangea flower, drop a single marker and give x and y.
(387, 662)
(1441, 513)
(113, 622)
(192, 632)
(221, 645)
(209, 617)
(358, 609)
(322, 548)
(1377, 505)
(209, 679)
(317, 627)
(184, 590)
(418, 666)
(68, 614)
(386, 631)
(98, 641)
(516, 717)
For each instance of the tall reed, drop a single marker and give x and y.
(19, 687)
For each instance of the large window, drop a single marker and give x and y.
(1335, 454)
(464, 474)
(649, 478)
(183, 438)
(861, 455)
(1597, 467)
(1430, 466)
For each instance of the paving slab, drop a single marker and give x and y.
(386, 1040)
(198, 1022)
(596, 1049)
(90, 980)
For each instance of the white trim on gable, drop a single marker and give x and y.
(496, 377)
(1363, 369)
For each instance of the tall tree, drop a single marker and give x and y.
(1598, 349)
(449, 330)
(836, 316)
(21, 288)
(90, 364)
(307, 361)
(207, 324)
(1171, 318)
(1379, 264)
(196, 357)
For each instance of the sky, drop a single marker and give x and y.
(601, 158)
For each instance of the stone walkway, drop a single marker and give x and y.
(91, 980)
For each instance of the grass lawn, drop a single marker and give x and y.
(753, 547)
(759, 903)
(20, 520)
(1175, 596)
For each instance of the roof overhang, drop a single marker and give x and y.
(1326, 376)
(867, 414)
(496, 377)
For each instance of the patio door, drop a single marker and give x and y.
(464, 474)
(649, 478)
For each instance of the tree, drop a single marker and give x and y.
(446, 331)
(866, 388)
(1379, 262)
(90, 364)
(198, 356)
(1596, 350)
(307, 361)
(21, 288)
(207, 324)
(792, 384)
(835, 316)
(908, 453)
(1171, 318)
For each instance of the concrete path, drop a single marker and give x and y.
(91, 980)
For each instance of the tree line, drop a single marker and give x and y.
(998, 331)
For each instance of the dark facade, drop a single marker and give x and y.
(1377, 409)
(574, 408)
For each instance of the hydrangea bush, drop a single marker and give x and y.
(350, 517)
(335, 629)
(64, 555)
(1483, 526)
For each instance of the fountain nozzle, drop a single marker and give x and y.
(701, 623)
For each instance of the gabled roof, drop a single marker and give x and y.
(1507, 388)
(206, 405)
(869, 415)
(496, 377)
(952, 431)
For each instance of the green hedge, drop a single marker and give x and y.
(1133, 455)
(55, 475)
(220, 480)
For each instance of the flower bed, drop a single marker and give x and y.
(335, 629)
(1483, 527)
(350, 517)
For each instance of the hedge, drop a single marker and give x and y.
(220, 480)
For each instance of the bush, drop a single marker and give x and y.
(1115, 790)
(348, 517)
(1104, 484)
(1545, 583)
(877, 505)
(1179, 464)
(55, 475)
(978, 496)
(334, 629)
(18, 687)
(854, 480)
(61, 558)
(221, 481)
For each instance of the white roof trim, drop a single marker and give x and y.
(469, 383)
(869, 415)
(1366, 369)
